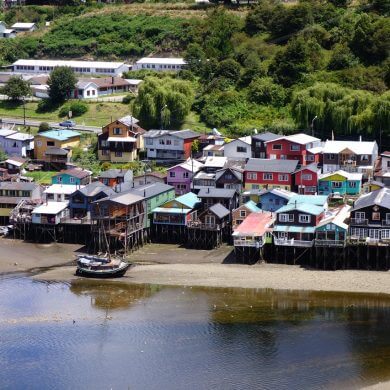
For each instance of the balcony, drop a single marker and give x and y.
(293, 242)
(332, 243)
(77, 221)
(249, 243)
(386, 222)
(205, 226)
(359, 221)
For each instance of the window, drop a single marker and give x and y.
(172, 174)
(268, 176)
(59, 179)
(39, 143)
(88, 93)
(359, 232)
(241, 149)
(27, 194)
(117, 130)
(149, 141)
(307, 176)
(72, 180)
(104, 143)
(251, 176)
(295, 147)
(118, 154)
(243, 213)
(169, 142)
(15, 145)
(385, 234)
(286, 218)
(330, 156)
(277, 147)
(50, 143)
(185, 175)
(352, 184)
(258, 144)
(337, 184)
(105, 152)
(283, 177)
(360, 215)
(387, 218)
(210, 220)
(309, 157)
(365, 157)
(161, 142)
(176, 142)
(304, 218)
(376, 216)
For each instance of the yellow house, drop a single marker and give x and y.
(55, 145)
(121, 140)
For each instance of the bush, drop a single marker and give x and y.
(45, 105)
(78, 108)
(43, 126)
(106, 166)
(128, 98)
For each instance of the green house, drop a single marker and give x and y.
(155, 194)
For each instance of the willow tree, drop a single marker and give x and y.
(339, 109)
(163, 102)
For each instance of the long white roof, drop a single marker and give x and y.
(75, 64)
(62, 189)
(348, 175)
(300, 138)
(164, 60)
(51, 208)
(23, 25)
(358, 147)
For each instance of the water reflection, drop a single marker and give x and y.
(190, 338)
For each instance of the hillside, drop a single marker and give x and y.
(270, 66)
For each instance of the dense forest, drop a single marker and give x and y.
(270, 66)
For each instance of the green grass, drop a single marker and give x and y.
(98, 114)
(41, 177)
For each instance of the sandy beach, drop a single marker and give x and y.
(173, 265)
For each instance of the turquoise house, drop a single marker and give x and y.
(332, 230)
(74, 176)
(155, 195)
(315, 200)
(344, 183)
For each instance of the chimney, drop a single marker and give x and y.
(360, 138)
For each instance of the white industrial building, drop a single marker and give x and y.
(159, 64)
(83, 67)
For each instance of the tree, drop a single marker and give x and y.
(163, 102)
(43, 126)
(62, 82)
(16, 88)
(342, 58)
(265, 91)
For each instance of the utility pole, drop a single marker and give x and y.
(24, 112)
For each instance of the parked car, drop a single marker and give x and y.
(67, 123)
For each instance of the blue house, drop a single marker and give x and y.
(80, 201)
(341, 182)
(272, 200)
(75, 176)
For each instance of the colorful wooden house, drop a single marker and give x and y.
(80, 202)
(230, 178)
(59, 192)
(267, 174)
(73, 176)
(295, 224)
(178, 211)
(150, 178)
(240, 213)
(272, 200)
(306, 179)
(370, 217)
(180, 176)
(114, 177)
(50, 213)
(211, 196)
(341, 182)
(332, 230)
(259, 148)
(155, 195)
(294, 147)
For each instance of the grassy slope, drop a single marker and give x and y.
(41, 177)
(99, 114)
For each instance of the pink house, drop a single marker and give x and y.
(180, 176)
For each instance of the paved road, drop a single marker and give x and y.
(32, 123)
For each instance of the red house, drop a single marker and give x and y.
(261, 173)
(294, 147)
(306, 179)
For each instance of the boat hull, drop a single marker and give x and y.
(102, 273)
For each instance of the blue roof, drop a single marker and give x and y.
(60, 135)
(189, 199)
(318, 200)
(251, 205)
(304, 207)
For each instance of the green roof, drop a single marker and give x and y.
(251, 205)
(189, 200)
(294, 229)
(318, 200)
(304, 207)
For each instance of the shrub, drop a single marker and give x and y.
(127, 99)
(43, 126)
(78, 108)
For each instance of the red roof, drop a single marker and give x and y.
(255, 224)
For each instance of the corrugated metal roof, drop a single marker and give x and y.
(59, 135)
(190, 200)
(219, 210)
(255, 224)
(303, 207)
(265, 165)
(51, 208)
(317, 200)
(379, 197)
(251, 205)
(151, 190)
(211, 192)
(357, 147)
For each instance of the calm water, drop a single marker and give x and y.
(151, 337)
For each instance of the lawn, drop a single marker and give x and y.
(98, 114)
(41, 177)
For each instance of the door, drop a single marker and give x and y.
(374, 233)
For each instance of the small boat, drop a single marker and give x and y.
(101, 267)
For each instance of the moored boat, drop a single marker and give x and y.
(101, 267)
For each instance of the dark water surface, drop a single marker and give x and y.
(152, 337)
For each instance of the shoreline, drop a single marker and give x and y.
(263, 276)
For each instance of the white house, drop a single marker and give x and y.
(159, 64)
(238, 149)
(50, 213)
(82, 67)
(24, 27)
(6, 32)
(59, 192)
